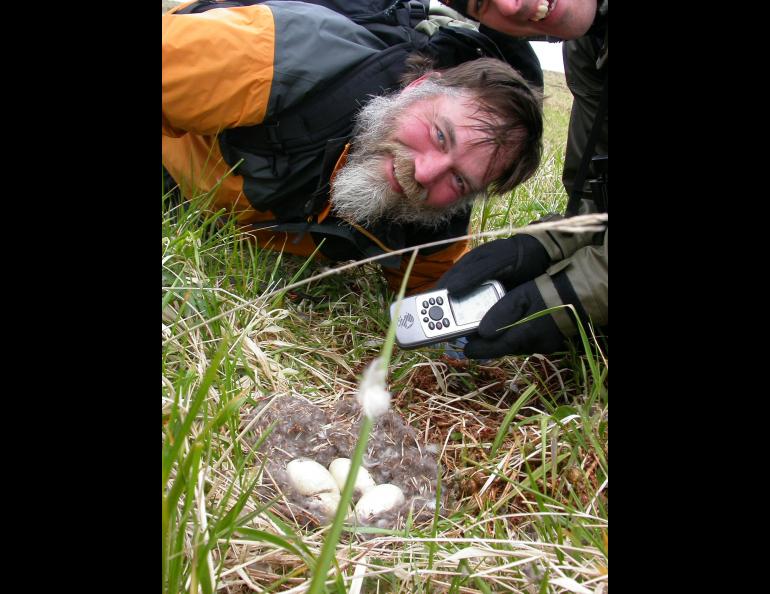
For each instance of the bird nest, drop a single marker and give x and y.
(305, 430)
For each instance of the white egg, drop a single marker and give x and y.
(309, 477)
(339, 469)
(327, 502)
(377, 500)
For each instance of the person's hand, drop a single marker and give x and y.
(512, 261)
(536, 336)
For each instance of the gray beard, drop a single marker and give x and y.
(361, 192)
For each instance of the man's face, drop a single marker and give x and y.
(566, 19)
(414, 158)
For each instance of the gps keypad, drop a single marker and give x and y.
(433, 316)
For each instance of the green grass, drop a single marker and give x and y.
(521, 442)
(543, 193)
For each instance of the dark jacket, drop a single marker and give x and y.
(236, 79)
(584, 258)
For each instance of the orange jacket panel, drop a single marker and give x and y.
(204, 92)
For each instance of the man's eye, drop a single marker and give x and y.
(479, 6)
(440, 137)
(460, 183)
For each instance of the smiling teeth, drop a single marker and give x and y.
(543, 9)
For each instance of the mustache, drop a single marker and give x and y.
(404, 172)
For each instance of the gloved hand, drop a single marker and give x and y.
(512, 261)
(536, 336)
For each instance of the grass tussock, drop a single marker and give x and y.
(520, 444)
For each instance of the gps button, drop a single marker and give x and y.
(436, 313)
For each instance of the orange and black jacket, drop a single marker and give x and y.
(258, 108)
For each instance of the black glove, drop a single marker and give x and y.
(536, 336)
(512, 261)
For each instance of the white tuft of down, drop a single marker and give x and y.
(372, 395)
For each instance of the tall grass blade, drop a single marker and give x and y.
(318, 583)
(172, 450)
(503, 430)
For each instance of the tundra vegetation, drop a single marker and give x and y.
(518, 445)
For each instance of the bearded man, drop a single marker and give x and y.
(357, 129)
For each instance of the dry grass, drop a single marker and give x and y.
(314, 347)
(521, 441)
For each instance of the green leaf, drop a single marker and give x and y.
(204, 577)
(279, 297)
(563, 412)
(172, 450)
(262, 536)
(503, 430)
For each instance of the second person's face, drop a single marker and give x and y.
(565, 19)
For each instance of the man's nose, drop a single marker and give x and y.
(430, 166)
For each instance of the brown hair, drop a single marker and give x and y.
(510, 112)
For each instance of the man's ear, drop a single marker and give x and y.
(418, 81)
